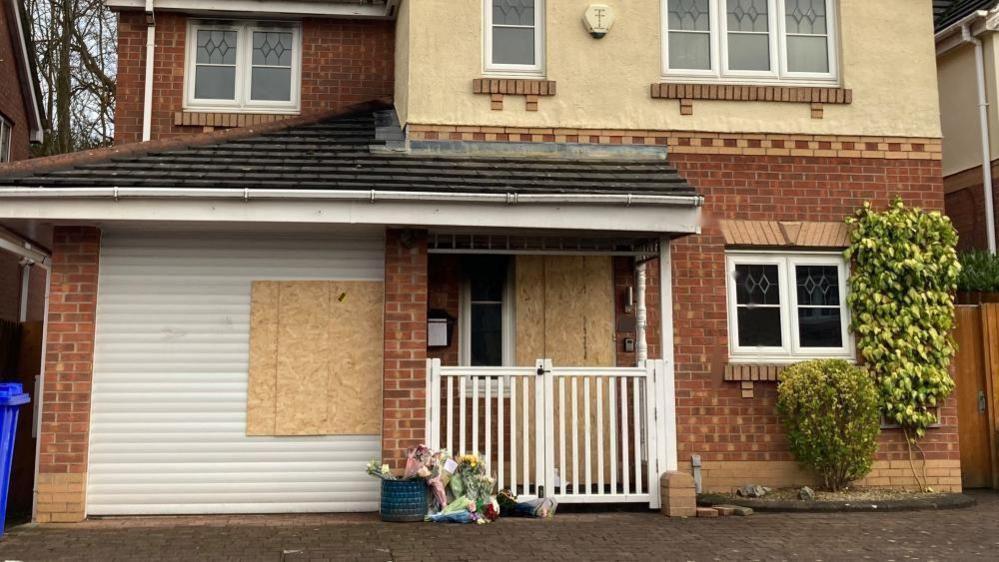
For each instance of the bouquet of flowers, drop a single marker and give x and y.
(470, 479)
(383, 472)
(421, 463)
(418, 463)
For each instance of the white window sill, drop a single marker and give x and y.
(515, 75)
(732, 81)
(243, 110)
(783, 361)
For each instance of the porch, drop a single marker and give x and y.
(540, 351)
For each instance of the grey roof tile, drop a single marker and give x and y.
(336, 154)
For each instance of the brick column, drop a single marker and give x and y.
(404, 380)
(69, 356)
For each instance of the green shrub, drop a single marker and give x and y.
(979, 272)
(902, 283)
(832, 415)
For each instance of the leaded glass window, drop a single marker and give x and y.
(758, 298)
(215, 74)
(748, 23)
(689, 34)
(759, 40)
(514, 34)
(244, 66)
(819, 320)
(807, 27)
(272, 59)
(785, 306)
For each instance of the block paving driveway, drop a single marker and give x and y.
(964, 534)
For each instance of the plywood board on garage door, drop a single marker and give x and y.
(315, 358)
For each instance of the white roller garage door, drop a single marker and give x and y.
(168, 421)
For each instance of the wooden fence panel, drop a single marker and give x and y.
(976, 374)
(990, 355)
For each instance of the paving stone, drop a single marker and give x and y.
(724, 511)
(736, 509)
(961, 534)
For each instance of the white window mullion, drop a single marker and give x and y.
(788, 313)
(244, 69)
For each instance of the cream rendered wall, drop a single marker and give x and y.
(887, 58)
(959, 105)
(959, 111)
(402, 38)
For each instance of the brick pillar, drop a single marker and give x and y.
(403, 417)
(69, 356)
(677, 493)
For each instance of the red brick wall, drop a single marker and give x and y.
(343, 62)
(405, 344)
(713, 419)
(445, 294)
(68, 373)
(11, 100)
(966, 207)
(624, 277)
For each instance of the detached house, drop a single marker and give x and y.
(969, 85)
(20, 126)
(581, 239)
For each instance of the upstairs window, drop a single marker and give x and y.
(5, 128)
(243, 66)
(750, 40)
(514, 36)
(787, 307)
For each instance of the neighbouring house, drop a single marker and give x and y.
(20, 126)
(968, 73)
(22, 268)
(582, 240)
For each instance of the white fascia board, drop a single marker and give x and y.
(950, 37)
(272, 7)
(674, 219)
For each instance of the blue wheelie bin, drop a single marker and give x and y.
(12, 397)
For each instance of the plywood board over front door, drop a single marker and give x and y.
(315, 358)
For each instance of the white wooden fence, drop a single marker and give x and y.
(579, 434)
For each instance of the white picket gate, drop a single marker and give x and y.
(579, 434)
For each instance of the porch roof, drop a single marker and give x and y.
(341, 152)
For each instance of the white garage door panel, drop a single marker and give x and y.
(170, 376)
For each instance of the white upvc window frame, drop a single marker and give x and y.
(791, 350)
(509, 320)
(778, 73)
(536, 70)
(244, 65)
(6, 128)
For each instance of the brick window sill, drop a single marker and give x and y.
(496, 88)
(748, 374)
(816, 96)
(223, 120)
